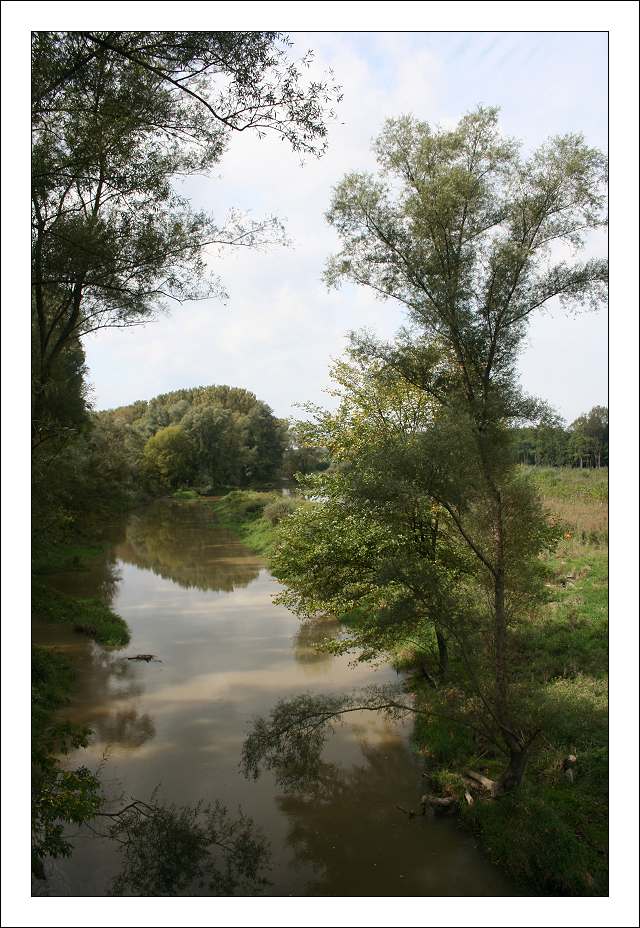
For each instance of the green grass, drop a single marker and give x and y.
(571, 483)
(63, 557)
(86, 616)
(551, 836)
(51, 682)
(243, 511)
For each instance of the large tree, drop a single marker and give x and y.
(470, 237)
(118, 117)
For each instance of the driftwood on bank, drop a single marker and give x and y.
(442, 805)
(477, 779)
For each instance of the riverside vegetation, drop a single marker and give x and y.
(551, 835)
(116, 118)
(417, 526)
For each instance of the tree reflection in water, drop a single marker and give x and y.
(309, 640)
(113, 721)
(182, 543)
(349, 830)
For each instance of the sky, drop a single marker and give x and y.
(281, 328)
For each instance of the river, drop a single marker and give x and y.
(202, 603)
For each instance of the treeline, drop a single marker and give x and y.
(204, 437)
(584, 443)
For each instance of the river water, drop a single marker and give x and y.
(202, 603)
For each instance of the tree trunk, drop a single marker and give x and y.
(511, 778)
(501, 648)
(443, 655)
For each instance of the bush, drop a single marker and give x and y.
(186, 494)
(244, 505)
(276, 512)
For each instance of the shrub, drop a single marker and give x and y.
(280, 509)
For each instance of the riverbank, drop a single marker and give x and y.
(87, 616)
(253, 516)
(551, 836)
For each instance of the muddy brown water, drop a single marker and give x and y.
(202, 603)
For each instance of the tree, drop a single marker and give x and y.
(169, 456)
(589, 437)
(117, 118)
(234, 437)
(381, 545)
(300, 457)
(215, 442)
(376, 545)
(461, 230)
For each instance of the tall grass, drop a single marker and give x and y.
(254, 515)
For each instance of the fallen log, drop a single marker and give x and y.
(489, 785)
(441, 804)
(145, 657)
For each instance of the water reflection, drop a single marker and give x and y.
(198, 600)
(106, 700)
(349, 830)
(180, 542)
(309, 640)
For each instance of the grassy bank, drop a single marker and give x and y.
(551, 836)
(89, 617)
(253, 516)
(63, 557)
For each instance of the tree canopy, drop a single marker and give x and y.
(118, 118)
(205, 436)
(465, 233)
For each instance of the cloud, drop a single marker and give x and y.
(281, 327)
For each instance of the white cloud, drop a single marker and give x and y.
(282, 327)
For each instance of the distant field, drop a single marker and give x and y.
(579, 497)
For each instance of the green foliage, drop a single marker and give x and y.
(89, 617)
(552, 855)
(59, 797)
(572, 484)
(552, 835)
(425, 528)
(168, 456)
(186, 494)
(585, 443)
(304, 459)
(205, 437)
(253, 515)
(61, 557)
(115, 118)
(277, 511)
